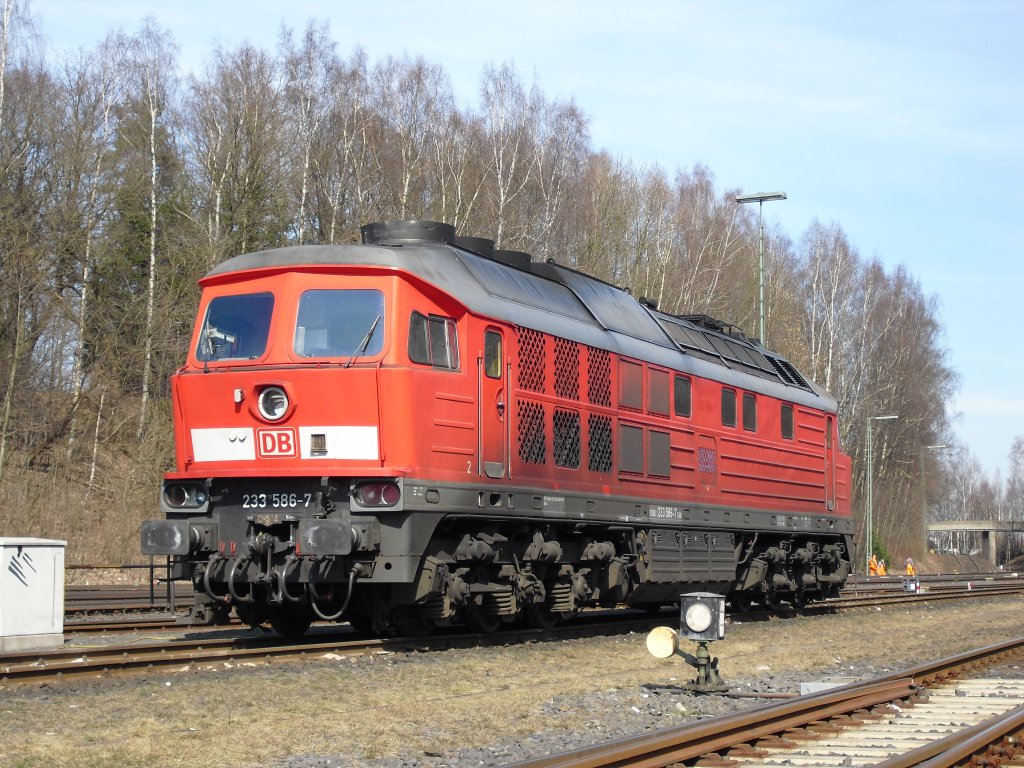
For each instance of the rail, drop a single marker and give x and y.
(759, 725)
(152, 567)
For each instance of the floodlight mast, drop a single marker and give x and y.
(869, 501)
(760, 198)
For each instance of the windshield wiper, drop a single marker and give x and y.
(364, 343)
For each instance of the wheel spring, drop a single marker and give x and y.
(559, 598)
(500, 603)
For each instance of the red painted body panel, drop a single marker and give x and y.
(384, 415)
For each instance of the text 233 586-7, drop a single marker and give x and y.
(276, 500)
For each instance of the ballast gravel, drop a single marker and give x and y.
(629, 711)
(614, 714)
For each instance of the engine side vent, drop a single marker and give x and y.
(532, 357)
(599, 377)
(532, 432)
(567, 369)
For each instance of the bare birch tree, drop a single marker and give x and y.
(561, 142)
(509, 116)
(234, 131)
(152, 64)
(308, 97)
(345, 163)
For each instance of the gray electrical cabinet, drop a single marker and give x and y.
(31, 593)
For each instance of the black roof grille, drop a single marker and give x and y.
(713, 324)
(705, 337)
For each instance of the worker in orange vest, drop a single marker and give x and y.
(911, 571)
(873, 565)
(881, 567)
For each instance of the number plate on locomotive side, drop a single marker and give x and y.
(261, 500)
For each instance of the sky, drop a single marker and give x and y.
(903, 122)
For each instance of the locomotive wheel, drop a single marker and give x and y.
(771, 601)
(542, 617)
(291, 622)
(249, 613)
(740, 603)
(410, 622)
(360, 614)
(798, 600)
(478, 621)
(359, 621)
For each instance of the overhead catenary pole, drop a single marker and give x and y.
(760, 198)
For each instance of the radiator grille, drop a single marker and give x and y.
(567, 369)
(531, 360)
(599, 443)
(599, 377)
(567, 438)
(532, 435)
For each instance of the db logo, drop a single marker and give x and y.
(276, 442)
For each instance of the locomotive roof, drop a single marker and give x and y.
(554, 299)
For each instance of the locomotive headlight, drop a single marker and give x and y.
(273, 403)
(176, 495)
(378, 494)
(185, 496)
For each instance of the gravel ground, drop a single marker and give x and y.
(616, 713)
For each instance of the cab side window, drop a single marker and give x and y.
(787, 421)
(433, 341)
(749, 412)
(682, 396)
(728, 407)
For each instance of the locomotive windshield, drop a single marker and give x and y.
(236, 327)
(340, 323)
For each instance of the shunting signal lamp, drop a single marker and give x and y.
(702, 616)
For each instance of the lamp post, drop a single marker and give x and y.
(870, 499)
(924, 492)
(760, 198)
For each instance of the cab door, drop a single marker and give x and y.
(493, 406)
(830, 465)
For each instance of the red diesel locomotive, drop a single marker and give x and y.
(421, 430)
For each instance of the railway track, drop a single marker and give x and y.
(85, 600)
(106, 609)
(927, 715)
(84, 603)
(214, 648)
(211, 649)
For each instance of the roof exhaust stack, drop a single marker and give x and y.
(481, 246)
(407, 232)
(518, 259)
